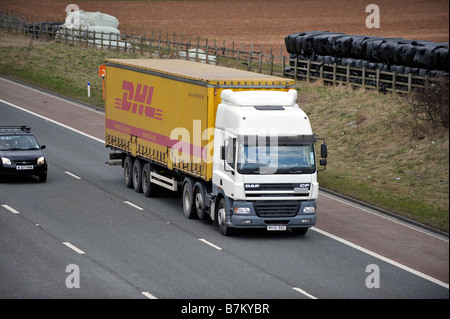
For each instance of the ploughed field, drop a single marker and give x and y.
(259, 22)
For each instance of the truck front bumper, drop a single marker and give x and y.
(274, 213)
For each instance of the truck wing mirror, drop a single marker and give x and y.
(323, 154)
(222, 152)
(323, 151)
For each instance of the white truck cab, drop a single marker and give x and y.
(264, 170)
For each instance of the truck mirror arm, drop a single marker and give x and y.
(323, 153)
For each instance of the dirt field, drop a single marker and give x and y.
(261, 22)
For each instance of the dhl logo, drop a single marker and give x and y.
(138, 100)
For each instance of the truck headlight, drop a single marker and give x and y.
(242, 210)
(309, 209)
(41, 160)
(6, 161)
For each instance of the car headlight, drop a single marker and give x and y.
(309, 209)
(242, 210)
(41, 160)
(6, 161)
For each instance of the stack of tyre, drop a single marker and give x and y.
(386, 54)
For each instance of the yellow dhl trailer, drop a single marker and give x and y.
(177, 123)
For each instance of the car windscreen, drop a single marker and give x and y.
(18, 142)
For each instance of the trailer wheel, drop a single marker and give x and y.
(127, 171)
(137, 175)
(147, 187)
(200, 200)
(221, 218)
(188, 199)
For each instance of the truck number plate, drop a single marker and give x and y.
(276, 227)
(20, 168)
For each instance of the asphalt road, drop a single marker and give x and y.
(83, 223)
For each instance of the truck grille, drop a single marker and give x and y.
(276, 208)
(276, 190)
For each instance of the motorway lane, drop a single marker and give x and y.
(268, 265)
(143, 249)
(34, 265)
(401, 242)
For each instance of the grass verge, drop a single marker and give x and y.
(378, 151)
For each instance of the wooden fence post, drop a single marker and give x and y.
(296, 69)
(378, 80)
(409, 83)
(334, 73)
(308, 70)
(394, 81)
(260, 59)
(363, 78)
(271, 63)
(249, 66)
(348, 74)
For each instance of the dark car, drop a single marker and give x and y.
(20, 153)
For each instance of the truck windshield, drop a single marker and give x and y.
(291, 155)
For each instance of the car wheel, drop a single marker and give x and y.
(43, 178)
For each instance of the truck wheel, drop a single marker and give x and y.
(147, 187)
(200, 200)
(221, 218)
(188, 199)
(137, 175)
(127, 171)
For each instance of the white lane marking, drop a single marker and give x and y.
(148, 295)
(73, 175)
(12, 210)
(381, 215)
(389, 261)
(53, 121)
(210, 244)
(133, 205)
(320, 231)
(304, 293)
(78, 250)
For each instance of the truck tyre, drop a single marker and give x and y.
(221, 218)
(137, 175)
(127, 171)
(188, 199)
(147, 187)
(200, 200)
